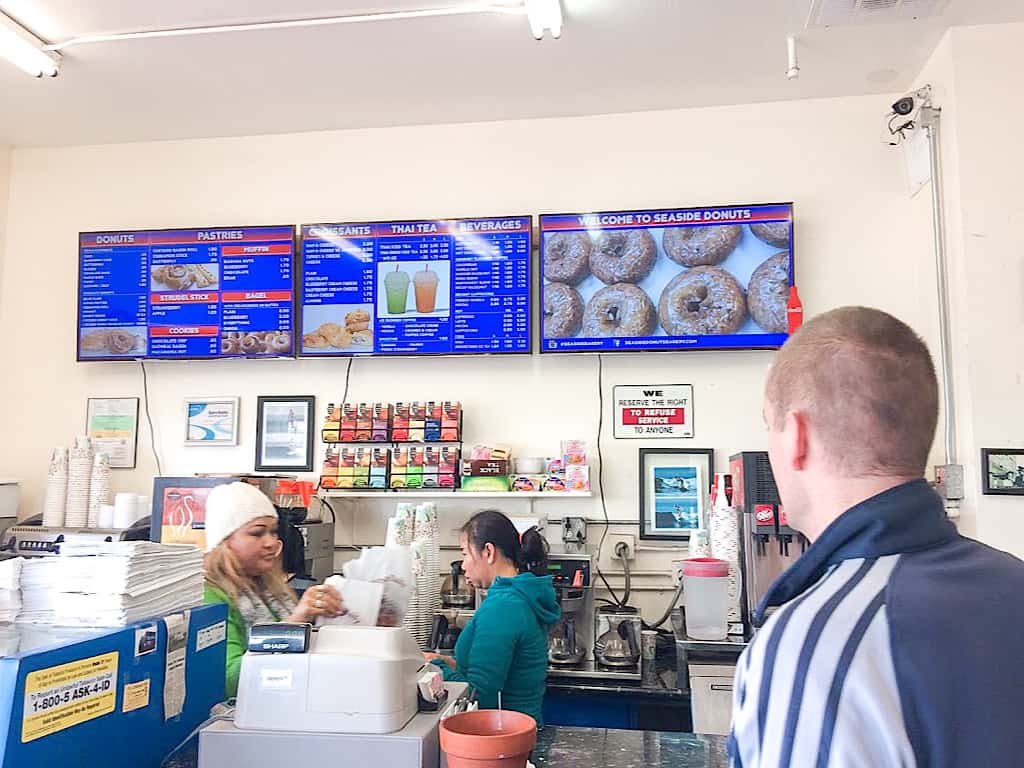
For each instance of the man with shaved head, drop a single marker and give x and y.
(893, 640)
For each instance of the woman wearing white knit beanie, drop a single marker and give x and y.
(243, 570)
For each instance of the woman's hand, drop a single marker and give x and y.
(448, 660)
(317, 601)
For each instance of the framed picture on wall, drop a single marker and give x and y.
(284, 433)
(1002, 471)
(674, 491)
(211, 421)
(113, 425)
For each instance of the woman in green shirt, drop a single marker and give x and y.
(504, 647)
(243, 569)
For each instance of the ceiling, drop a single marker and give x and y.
(613, 56)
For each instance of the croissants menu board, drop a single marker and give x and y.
(696, 278)
(443, 287)
(186, 293)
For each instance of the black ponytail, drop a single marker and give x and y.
(530, 555)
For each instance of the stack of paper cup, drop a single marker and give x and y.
(106, 516)
(125, 510)
(99, 487)
(76, 511)
(56, 488)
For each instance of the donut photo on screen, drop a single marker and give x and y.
(666, 279)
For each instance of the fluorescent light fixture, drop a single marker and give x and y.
(25, 51)
(544, 15)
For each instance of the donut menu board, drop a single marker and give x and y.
(672, 279)
(456, 286)
(186, 293)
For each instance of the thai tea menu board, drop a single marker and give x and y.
(669, 279)
(454, 286)
(186, 293)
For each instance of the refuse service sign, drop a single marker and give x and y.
(654, 410)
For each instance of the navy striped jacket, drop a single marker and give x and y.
(897, 642)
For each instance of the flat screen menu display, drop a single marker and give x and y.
(186, 293)
(446, 287)
(672, 279)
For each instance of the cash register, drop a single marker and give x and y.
(337, 695)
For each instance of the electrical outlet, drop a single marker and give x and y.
(626, 539)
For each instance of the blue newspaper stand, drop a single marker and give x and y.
(96, 697)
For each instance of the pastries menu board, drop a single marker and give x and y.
(456, 286)
(186, 293)
(671, 279)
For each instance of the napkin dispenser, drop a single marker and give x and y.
(351, 679)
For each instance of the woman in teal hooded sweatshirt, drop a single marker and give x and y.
(505, 645)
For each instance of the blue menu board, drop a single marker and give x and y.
(446, 287)
(668, 279)
(186, 293)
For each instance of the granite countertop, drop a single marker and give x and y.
(560, 747)
(658, 691)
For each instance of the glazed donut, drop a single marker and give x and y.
(623, 256)
(768, 293)
(281, 343)
(95, 341)
(121, 343)
(228, 346)
(773, 232)
(563, 311)
(701, 301)
(567, 257)
(619, 310)
(700, 246)
(357, 316)
(353, 327)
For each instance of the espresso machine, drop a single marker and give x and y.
(569, 639)
(768, 545)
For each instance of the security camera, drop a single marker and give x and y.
(910, 104)
(904, 113)
(904, 106)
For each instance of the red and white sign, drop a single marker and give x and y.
(653, 411)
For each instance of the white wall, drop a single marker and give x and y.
(975, 75)
(859, 240)
(5, 183)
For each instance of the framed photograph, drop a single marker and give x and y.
(1002, 471)
(674, 491)
(112, 424)
(284, 433)
(211, 421)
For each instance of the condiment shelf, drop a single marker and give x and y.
(389, 494)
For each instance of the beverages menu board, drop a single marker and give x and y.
(454, 286)
(186, 293)
(669, 279)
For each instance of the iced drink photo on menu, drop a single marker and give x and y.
(396, 286)
(425, 283)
